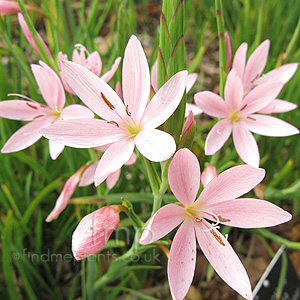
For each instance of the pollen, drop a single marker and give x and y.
(30, 105)
(106, 101)
(127, 110)
(251, 118)
(221, 219)
(114, 123)
(217, 237)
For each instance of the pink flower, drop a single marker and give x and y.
(9, 7)
(238, 116)
(208, 175)
(40, 114)
(124, 125)
(93, 232)
(91, 61)
(217, 203)
(29, 36)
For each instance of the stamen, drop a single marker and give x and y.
(251, 118)
(32, 106)
(38, 116)
(217, 237)
(43, 106)
(221, 219)
(217, 218)
(114, 123)
(127, 110)
(106, 101)
(244, 106)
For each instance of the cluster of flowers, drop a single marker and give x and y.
(129, 118)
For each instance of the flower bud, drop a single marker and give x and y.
(188, 132)
(9, 7)
(208, 174)
(93, 232)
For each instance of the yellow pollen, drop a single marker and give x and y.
(251, 118)
(221, 219)
(217, 237)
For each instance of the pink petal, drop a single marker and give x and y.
(208, 174)
(66, 194)
(233, 90)
(118, 90)
(83, 133)
(26, 135)
(135, 78)
(184, 176)
(228, 50)
(88, 175)
(190, 81)
(225, 261)
(249, 213)
(60, 58)
(190, 120)
(65, 84)
(55, 149)
(245, 144)
(255, 106)
(113, 178)
(230, 184)
(94, 63)
(192, 108)
(109, 74)
(76, 111)
(165, 101)
(269, 126)
(239, 60)
(212, 104)
(217, 137)
(113, 159)
(268, 89)
(256, 63)
(278, 106)
(21, 110)
(182, 260)
(161, 223)
(131, 160)
(49, 85)
(283, 73)
(79, 56)
(154, 75)
(88, 87)
(9, 7)
(93, 232)
(156, 145)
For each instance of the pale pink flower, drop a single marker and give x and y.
(238, 116)
(208, 174)
(29, 36)
(93, 232)
(9, 7)
(124, 125)
(92, 61)
(217, 203)
(41, 115)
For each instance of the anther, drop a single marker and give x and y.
(30, 105)
(106, 101)
(36, 117)
(113, 122)
(217, 237)
(127, 110)
(244, 106)
(251, 118)
(221, 219)
(198, 220)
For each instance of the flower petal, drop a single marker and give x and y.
(217, 137)
(135, 78)
(255, 106)
(156, 145)
(55, 149)
(109, 74)
(249, 213)
(88, 87)
(184, 176)
(113, 178)
(278, 106)
(230, 184)
(113, 159)
(182, 260)
(269, 126)
(193, 108)
(76, 111)
(154, 75)
(256, 64)
(83, 133)
(26, 135)
(131, 160)
(225, 261)
(190, 81)
(94, 62)
(165, 101)
(212, 104)
(162, 222)
(88, 176)
(245, 144)
(233, 90)
(239, 60)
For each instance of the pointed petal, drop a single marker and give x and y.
(190, 81)
(212, 104)
(250, 213)
(182, 260)
(88, 175)
(233, 90)
(113, 178)
(20, 110)
(88, 87)
(55, 149)
(156, 145)
(154, 75)
(256, 63)
(83, 133)
(239, 60)
(165, 101)
(246, 145)
(278, 106)
(269, 126)
(217, 137)
(118, 90)
(113, 159)
(255, 106)
(231, 184)
(135, 78)
(76, 111)
(94, 62)
(193, 108)
(184, 176)
(26, 135)
(208, 175)
(109, 74)
(283, 73)
(225, 262)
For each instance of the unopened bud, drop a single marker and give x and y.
(188, 132)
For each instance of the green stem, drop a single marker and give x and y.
(153, 176)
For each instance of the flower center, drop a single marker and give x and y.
(133, 129)
(234, 117)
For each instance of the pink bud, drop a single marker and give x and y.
(188, 132)
(66, 194)
(228, 50)
(93, 232)
(9, 7)
(208, 174)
